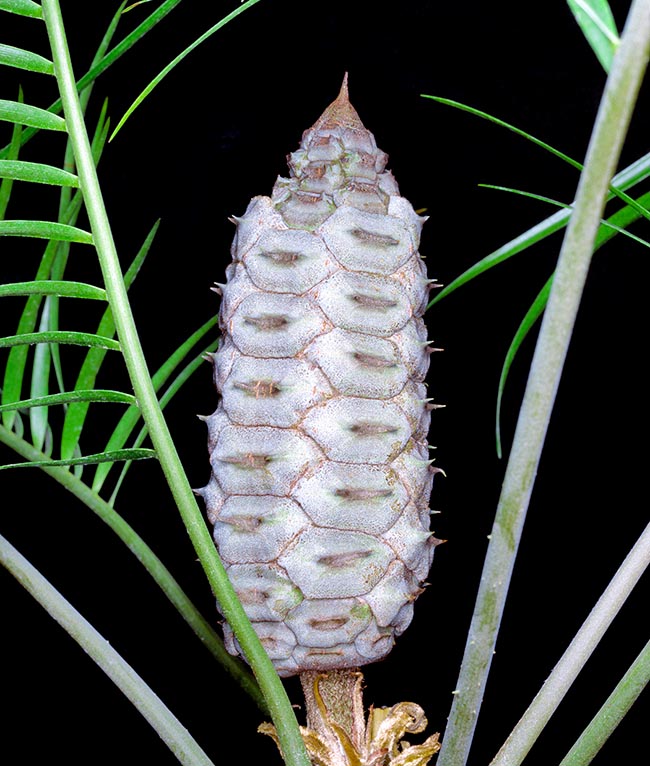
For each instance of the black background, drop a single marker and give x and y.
(214, 134)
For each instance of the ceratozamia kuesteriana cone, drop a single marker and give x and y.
(320, 468)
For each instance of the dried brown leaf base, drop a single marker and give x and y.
(338, 734)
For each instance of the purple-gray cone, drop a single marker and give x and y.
(320, 468)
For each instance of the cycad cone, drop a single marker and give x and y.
(320, 469)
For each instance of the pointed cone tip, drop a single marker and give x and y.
(343, 93)
(340, 113)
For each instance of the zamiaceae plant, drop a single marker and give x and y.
(321, 477)
(338, 733)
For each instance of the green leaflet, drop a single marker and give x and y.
(130, 418)
(243, 7)
(98, 395)
(531, 316)
(39, 386)
(32, 116)
(608, 229)
(60, 336)
(574, 163)
(45, 230)
(22, 59)
(599, 28)
(101, 457)
(76, 414)
(37, 173)
(171, 390)
(54, 287)
(6, 184)
(22, 8)
(107, 58)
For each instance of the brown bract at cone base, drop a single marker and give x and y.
(338, 733)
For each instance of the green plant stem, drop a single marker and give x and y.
(611, 713)
(552, 345)
(170, 729)
(523, 736)
(163, 577)
(278, 702)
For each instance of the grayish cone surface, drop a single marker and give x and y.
(320, 468)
